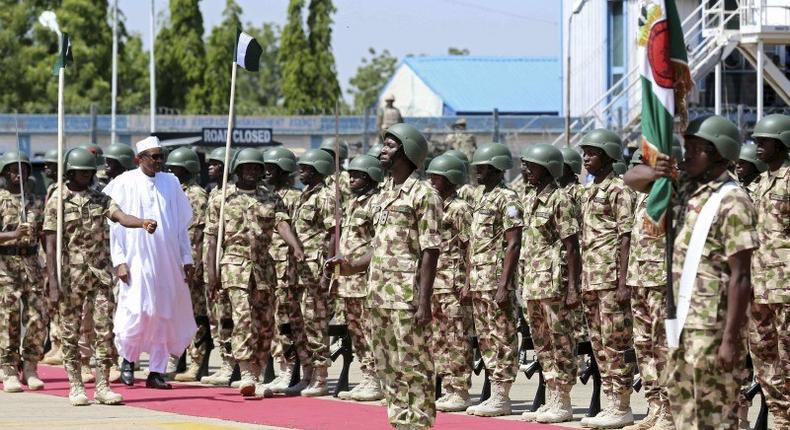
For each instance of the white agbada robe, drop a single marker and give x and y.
(154, 312)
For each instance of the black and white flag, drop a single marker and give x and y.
(248, 52)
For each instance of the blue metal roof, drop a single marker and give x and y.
(469, 84)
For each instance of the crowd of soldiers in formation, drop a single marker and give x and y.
(429, 256)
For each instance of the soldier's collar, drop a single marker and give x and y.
(717, 183)
(407, 185)
(607, 181)
(544, 194)
(781, 172)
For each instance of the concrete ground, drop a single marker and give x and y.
(40, 411)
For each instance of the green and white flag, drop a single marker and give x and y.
(248, 52)
(665, 82)
(64, 56)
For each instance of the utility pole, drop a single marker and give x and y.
(113, 131)
(152, 72)
(576, 9)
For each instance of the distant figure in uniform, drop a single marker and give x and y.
(388, 116)
(461, 140)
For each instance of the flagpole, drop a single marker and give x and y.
(337, 185)
(61, 132)
(226, 167)
(113, 133)
(152, 73)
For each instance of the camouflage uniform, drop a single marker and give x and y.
(54, 318)
(198, 199)
(86, 273)
(354, 244)
(246, 268)
(701, 395)
(647, 280)
(549, 217)
(451, 347)
(496, 212)
(770, 310)
(576, 193)
(607, 215)
(221, 315)
(462, 141)
(20, 285)
(313, 219)
(406, 221)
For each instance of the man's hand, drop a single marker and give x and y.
(572, 298)
(23, 231)
(623, 294)
(149, 226)
(664, 166)
(727, 353)
(122, 272)
(334, 262)
(423, 315)
(189, 273)
(298, 254)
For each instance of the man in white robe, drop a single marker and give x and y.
(154, 312)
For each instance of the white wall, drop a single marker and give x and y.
(412, 96)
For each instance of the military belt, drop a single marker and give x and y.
(19, 250)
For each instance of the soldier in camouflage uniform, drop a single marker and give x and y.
(402, 263)
(451, 346)
(86, 271)
(328, 145)
(494, 246)
(461, 140)
(770, 308)
(19, 278)
(466, 191)
(749, 168)
(185, 164)
(246, 269)
(549, 285)
(55, 355)
(387, 116)
(279, 164)
(355, 241)
(314, 223)
(607, 220)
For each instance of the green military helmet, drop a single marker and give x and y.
(749, 153)
(51, 156)
(375, 150)
(449, 167)
(719, 131)
(367, 164)
(247, 156)
(186, 158)
(414, 144)
(776, 126)
(329, 145)
(282, 158)
(619, 167)
(13, 157)
(121, 153)
(606, 140)
(545, 155)
(457, 154)
(572, 158)
(493, 154)
(218, 155)
(93, 148)
(321, 161)
(80, 159)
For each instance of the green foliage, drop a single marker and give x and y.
(293, 58)
(181, 59)
(457, 51)
(324, 88)
(371, 77)
(219, 56)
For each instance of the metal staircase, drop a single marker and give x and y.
(711, 33)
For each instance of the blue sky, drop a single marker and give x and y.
(485, 27)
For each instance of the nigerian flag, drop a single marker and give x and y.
(64, 56)
(248, 52)
(665, 82)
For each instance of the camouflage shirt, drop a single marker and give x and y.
(10, 217)
(280, 250)
(495, 212)
(345, 186)
(607, 215)
(548, 219)
(771, 262)
(314, 219)
(469, 193)
(647, 265)
(198, 199)
(406, 221)
(355, 241)
(462, 141)
(733, 230)
(454, 228)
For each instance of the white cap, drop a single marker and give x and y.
(147, 143)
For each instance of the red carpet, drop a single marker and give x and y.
(290, 412)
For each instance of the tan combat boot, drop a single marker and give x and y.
(30, 374)
(11, 382)
(53, 357)
(103, 394)
(317, 387)
(77, 395)
(248, 379)
(370, 390)
(496, 405)
(455, 401)
(560, 410)
(222, 375)
(649, 420)
(531, 416)
(189, 375)
(586, 421)
(619, 415)
(348, 394)
(665, 421)
(115, 372)
(283, 379)
(86, 371)
(307, 377)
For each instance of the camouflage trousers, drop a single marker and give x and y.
(198, 348)
(769, 340)
(402, 350)
(22, 299)
(287, 347)
(580, 331)
(72, 305)
(253, 323)
(98, 326)
(611, 334)
(452, 351)
(650, 342)
(553, 338)
(221, 323)
(496, 335)
(702, 395)
(315, 314)
(358, 324)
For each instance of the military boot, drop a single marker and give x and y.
(317, 385)
(30, 374)
(561, 410)
(454, 401)
(189, 375)
(77, 395)
(222, 375)
(496, 405)
(531, 416)
(619, 415)
(370, 390)
(11, 382)
(103, 394)
(586, 422)
(283, 379)
(665, 421)
(86, 371)
(307, 376)
(348, 394)
(248, 380)
(172, 366)
(649, 421)
(53, 357)
(115, 372)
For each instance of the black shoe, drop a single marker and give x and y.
(156, 380)
(127, 372)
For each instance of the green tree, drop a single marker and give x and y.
(370, 78)
(324, 88)
(457, 51)
(219, 55)
(260, 93)
(181, 59)
(293, 57)
(133, 81)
